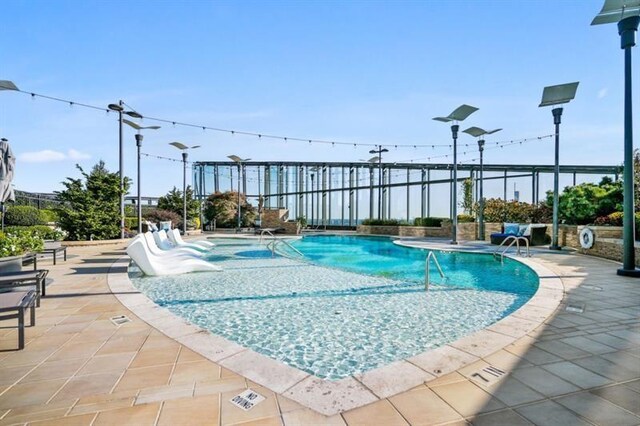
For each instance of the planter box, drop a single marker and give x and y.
(11, 264)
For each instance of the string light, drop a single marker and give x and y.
(234, 132)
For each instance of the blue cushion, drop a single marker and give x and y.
(511, 228)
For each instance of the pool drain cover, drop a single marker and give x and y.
(120, 319)
(247, 400)
(592, 287)
(488, 375)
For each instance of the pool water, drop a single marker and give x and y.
(351, 305)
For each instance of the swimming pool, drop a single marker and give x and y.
(353, 303)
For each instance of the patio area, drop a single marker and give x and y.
(78, 367)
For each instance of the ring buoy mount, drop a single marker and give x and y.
(586, 238)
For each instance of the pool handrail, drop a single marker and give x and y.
(427, 278)
(514, 239)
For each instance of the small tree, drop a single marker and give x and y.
(223, 208)
(467, 196)
(90, 208)
(173, 201)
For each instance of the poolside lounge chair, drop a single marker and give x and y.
(162, 241)
(180, 242)
(175, 251)
(152, 264)
(37, 279)
(13, 305)
(175, 242)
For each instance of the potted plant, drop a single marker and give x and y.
(14, 245)
(302, 223)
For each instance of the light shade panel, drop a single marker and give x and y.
(559, 94)
(459, 114)
(615, 11)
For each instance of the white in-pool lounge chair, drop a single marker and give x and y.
(179, 241)
(174, 241)
(176, 251)
(152, 264)
(162, 241)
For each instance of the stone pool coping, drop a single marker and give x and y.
(331, 397)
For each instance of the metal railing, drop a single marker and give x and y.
(512, 239)
(271, 245)
(427, 279)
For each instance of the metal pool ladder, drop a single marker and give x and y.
(427, 279)
(271, 245)
(512, 239)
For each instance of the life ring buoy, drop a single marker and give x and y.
(586, 238)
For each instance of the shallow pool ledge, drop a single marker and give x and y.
(331, 397)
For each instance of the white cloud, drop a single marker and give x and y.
(48, 156)
(602, 93)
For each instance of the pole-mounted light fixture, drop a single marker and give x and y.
(459, 114)
(627, 14)
(8, 85)
(120, 110)
(239, 161)
(184, 148)
(139, 145)
(551, 96)
(378, 151)
(479, 133)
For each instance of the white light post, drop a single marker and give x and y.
(459, 114)
(184, 148)
(239, 161)
(120, 110)
(139, 145)
(626, 14)
(477, 132)
(551, 96)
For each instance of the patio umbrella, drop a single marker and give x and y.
(7, 166)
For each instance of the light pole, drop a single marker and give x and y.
(477, 132)
(625, 13)
(557, 95)
(139, 145)
(459, 114)
(120, 110)
(379, 151)
(239, 161)
(184, 148)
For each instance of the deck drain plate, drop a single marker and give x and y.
(578, 309)
(488, 375)
(120, 319)
(592, 287)
(247, 399)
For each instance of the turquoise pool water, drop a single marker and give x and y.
(353, 303)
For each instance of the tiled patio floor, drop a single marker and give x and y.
(79, 368)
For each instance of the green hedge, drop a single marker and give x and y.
(429, 221)
(24, 216)
(131, 223)
(465, 218)
(50, 216)
(384, 222)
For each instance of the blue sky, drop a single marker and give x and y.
(370, 72)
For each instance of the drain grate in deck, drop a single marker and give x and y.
(120, 319)
(574, 308)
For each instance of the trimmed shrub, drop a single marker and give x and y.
(382, 222)
(158, 215)
(49, 216)
(18, 242)
(24, 216)
(465, 218)
(429, 221)
(614, 219)
(42, 231)
(131, 223)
